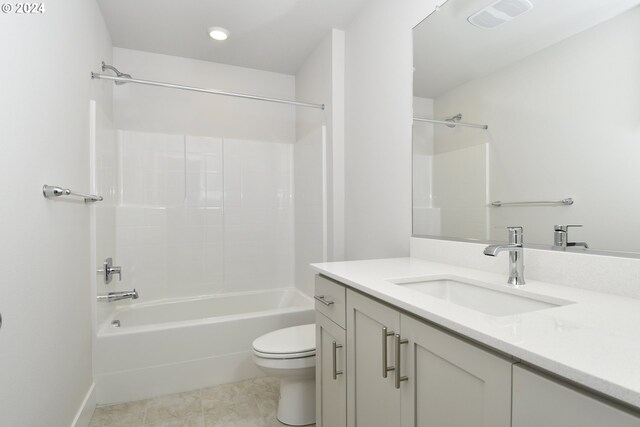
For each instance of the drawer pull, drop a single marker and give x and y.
(399, 342)
(336, 346)
(322, 300)
(385, 336)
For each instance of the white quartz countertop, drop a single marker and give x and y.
(594, 342)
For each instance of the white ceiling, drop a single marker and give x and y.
(449, 51)
(272, 35)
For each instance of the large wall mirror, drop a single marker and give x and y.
(527, 112)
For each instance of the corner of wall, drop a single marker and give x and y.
(337, 214)
(87, 408)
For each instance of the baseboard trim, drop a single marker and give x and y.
(83, 417)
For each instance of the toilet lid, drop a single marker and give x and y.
(288, 341)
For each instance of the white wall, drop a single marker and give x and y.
(171, 111)
(45, 291)
(569, 115)
(378, 128)
(318, 163)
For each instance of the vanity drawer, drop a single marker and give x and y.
(331, 300)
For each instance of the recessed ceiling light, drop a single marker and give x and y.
(218, 33)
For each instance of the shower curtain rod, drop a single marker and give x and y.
(122, 78)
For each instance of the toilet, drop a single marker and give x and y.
(290, 355)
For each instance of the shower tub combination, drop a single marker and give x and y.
(178, 345)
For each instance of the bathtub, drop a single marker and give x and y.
(184, 344)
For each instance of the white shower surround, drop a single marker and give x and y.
(203, 215)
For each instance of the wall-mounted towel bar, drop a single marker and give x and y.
(564, 202)
(50, 191)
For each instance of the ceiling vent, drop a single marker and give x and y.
(499, 12)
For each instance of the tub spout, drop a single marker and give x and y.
(117, 296)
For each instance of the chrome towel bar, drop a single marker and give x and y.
(50, 191)
(564, 202)
(451, 122)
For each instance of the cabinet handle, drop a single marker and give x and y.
(385, 368)
(322, 300)
(399, 342)
(335, 362)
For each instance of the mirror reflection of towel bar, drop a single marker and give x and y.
(564, 202)
(451, 122)
(50, 191)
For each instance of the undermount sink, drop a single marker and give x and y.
(482, 297)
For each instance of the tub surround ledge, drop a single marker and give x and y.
(594, 342)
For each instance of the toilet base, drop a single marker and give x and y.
(297, 406)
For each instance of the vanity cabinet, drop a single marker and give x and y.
(539, 400)
(443, 380)
(386, 368)
(331, 361)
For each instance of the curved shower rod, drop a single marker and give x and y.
(121, 78)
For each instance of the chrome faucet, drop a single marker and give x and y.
(516, 255)
(561, 237)
(117, 296)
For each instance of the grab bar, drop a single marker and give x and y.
(50, 191)
(566, 202)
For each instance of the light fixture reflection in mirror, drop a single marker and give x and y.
(559, 93)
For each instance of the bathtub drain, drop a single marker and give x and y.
(115, 323)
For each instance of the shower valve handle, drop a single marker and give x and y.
(110, 270)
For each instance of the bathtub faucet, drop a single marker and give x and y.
(117, 296)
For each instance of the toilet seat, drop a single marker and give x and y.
(289, 343)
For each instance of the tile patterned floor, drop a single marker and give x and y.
(250, 403)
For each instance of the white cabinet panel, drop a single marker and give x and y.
(331, 382)
(373, 401)
(451, 382)
(541, 401)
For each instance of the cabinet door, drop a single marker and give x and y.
(372, 400)
(451, 383)
(331, 382)
(541, 401)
